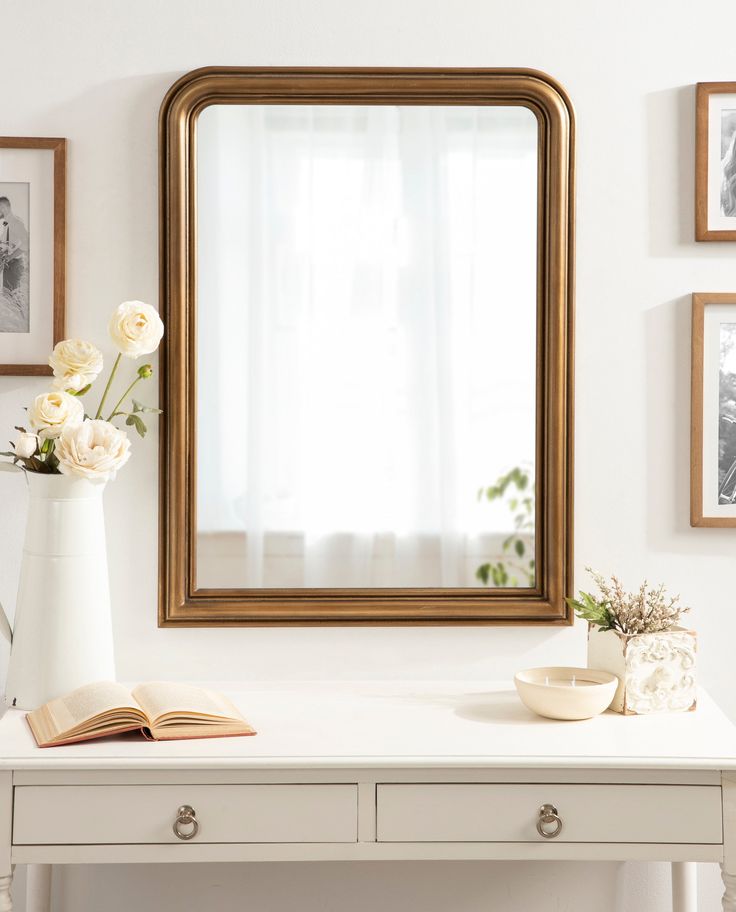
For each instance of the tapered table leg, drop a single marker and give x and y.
(728, 867)
(6, 903)
(6, 822)
(38, 888)
(684, 886)
(729, 894)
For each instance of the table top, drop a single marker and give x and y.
(430, 724)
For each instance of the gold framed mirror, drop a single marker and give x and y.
(367, 378)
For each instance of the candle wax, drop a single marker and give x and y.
(569, 682)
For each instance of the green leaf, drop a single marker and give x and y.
(499, 575)
(139, 407)
(137, 422)
(84, 389)
(519, 547)
(36, 465)
(483, 573)
(587, 608)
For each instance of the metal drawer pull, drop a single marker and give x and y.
(185, 817)
(548, 817)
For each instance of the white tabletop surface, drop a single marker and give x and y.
(401, 724)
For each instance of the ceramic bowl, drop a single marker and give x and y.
(564, 692)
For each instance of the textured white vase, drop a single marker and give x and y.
(656, 671)
(62, 633)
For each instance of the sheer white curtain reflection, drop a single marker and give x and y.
(366, 338)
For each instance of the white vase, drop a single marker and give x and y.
(656, 671)
(62, 633)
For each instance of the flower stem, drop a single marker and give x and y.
(122, 399)
(109, 384)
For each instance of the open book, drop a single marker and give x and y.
(162, 711)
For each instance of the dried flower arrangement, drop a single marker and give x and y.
(630, 613)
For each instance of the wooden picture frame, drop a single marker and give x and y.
(713, 411)
(181, 601)
(32, 301)
(715, 161)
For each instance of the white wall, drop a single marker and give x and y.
(96, 74)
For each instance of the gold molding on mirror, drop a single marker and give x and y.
(180, 602)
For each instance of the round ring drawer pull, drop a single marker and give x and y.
(549, 822)
(185, 817)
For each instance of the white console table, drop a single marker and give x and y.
(389, 771)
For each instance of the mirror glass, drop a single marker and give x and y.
(366, 346)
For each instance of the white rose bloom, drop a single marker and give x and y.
(25, 444)
(136, 328)
(93, 450)
(51, 412)
(75, 364)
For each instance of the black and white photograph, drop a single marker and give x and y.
(14, 257)
(713, 410)
(727, 415)
(32, 252)
(728, 162)
(715, 161)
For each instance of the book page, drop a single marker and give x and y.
(159, 698)
(86, 702)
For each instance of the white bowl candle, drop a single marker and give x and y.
(566, 693)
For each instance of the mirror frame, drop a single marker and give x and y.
(180, 602)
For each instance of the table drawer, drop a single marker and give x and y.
(509, 813)
(85, 815)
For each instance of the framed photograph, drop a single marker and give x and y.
(713, 411)
(32, 250)
(715, 162)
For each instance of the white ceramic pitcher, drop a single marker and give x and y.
(62, 633)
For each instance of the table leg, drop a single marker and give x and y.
(728, 867)
(729, 893)
(684, 886)
(6, 822)
(6, 903)
(38, 888)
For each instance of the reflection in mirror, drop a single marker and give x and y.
(366, 346)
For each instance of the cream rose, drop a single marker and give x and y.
(51, 412)
(75, 364)
(25, 445)
(136, 329)
(93, 450)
